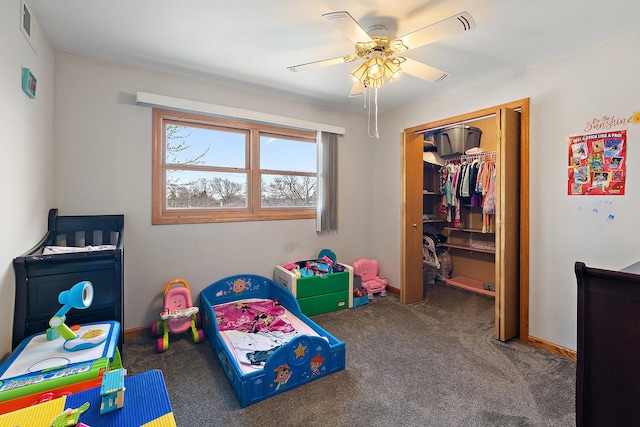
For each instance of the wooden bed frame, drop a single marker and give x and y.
(295, 356)
(608, 353)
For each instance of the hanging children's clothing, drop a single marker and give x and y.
(489, 204)
(469, 180)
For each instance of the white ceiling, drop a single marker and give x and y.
(254, 41)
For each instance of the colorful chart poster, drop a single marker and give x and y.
(597, 164)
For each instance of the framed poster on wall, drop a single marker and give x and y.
(28, 83)
(597, 164)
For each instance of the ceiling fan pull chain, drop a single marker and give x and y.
(376, 120)
(368, 98)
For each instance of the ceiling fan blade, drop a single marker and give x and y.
(423, 71)
(454, 25)
(324, 62)
(356, 90)
(349, 26)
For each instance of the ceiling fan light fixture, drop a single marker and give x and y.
(376, 70)
(360, 73)
(375, 67)
(391, 70)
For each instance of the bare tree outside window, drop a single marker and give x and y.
(289, 190)
(228, 192)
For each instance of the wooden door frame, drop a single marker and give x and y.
(521, 105)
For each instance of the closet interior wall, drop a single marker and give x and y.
(434, 220)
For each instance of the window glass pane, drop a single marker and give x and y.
(189, 189)
(204, 147)
(287, 155)
(281, 191)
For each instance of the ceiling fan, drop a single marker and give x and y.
(382, 53)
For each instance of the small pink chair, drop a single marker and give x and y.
(367, 268)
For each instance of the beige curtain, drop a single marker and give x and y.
(327, 217)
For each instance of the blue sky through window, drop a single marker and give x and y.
(226, 149)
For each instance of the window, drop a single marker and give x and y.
(209, 169)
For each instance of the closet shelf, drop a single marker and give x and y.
(471, 285)
(431, 193)
(468, 230)
(468, 248)
(434, 220)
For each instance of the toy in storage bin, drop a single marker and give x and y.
(359, 301)
(360, 294)
(320, 293)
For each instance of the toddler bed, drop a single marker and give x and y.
(265, 344)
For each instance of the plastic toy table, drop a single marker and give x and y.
(146, 403)
(38, 365)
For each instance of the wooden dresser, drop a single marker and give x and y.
(608, 353)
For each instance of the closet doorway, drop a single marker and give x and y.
(506, 131)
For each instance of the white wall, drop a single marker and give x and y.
(25, 164)
(565, 94)
(102, 160)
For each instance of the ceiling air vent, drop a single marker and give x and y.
(28, 26)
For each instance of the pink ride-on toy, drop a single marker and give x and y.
(178, 315)
(367, 268)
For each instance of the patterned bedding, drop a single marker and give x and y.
(255, 315)
(255, 328)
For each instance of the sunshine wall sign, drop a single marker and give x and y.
(606, 123)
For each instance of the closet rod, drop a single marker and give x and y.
(488, 155)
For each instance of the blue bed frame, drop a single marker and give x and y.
(294, 358)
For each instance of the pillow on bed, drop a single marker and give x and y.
(51, 250)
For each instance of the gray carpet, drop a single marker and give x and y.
(431, 363)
